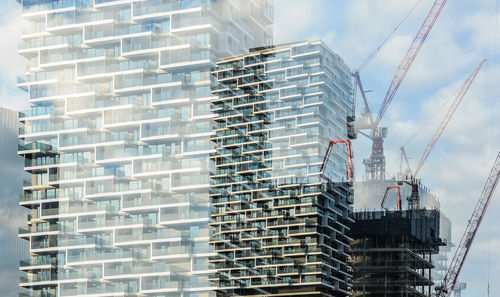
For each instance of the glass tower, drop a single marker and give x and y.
(117, 141)
(12, 249)
(279, 227)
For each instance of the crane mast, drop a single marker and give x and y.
(463, 90)
(375, 164)
(457, 262)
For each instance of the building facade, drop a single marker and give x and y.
(279, 228)
(12, 249)
(117, 140)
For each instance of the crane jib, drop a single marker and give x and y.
(463, 248)
(410, 56)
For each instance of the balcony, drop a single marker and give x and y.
(112, 223)
(38, 262)
(37, 278)
(44, 228)
(34, 146)
(143, 10)
(171, 251)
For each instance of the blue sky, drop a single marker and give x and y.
(456, 170)
(466, 32)
(11, 64)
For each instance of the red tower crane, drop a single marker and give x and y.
(375, 164)
(413, 200)
(461, 94)
(458, 260)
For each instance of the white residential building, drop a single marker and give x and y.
(118, 137)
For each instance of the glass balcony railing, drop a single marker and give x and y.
(35, 146)
(169, 251)
(48, 41)
(146, 8)
(160, 284)
(148, 80)
(111, 223)
(40, 228)
(37, 262)
(148, 236)
(146, 201)
(37, 6)
(37, 278)
(113, 290)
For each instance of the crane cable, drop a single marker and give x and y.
(376, 50)
(439, 110)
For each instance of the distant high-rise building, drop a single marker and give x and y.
(280, 229)
(118, 137)
(9, 125)
(12, 249)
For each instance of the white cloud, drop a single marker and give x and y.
(296, 18)
(368, 23)
(481, 25)
(456, 170)
(12, 65)
(464, 33)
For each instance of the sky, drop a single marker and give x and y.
(457, 168)
(465, 33)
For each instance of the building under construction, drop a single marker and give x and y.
(369, 194)
(392, 252)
